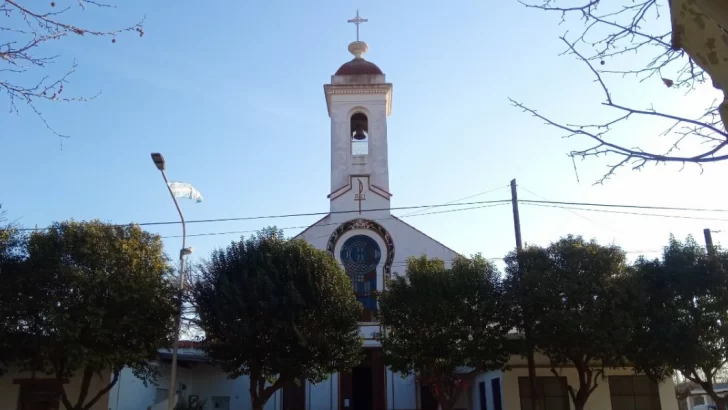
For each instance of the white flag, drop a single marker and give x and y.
(185, 190)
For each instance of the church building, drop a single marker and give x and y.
(371, 244)
(360, 232)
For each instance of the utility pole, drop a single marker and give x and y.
(535, 404)
(708, 240)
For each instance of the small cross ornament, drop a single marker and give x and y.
(357, 20)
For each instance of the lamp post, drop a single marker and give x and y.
(160, 164)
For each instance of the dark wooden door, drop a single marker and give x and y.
(364, 387)
(427, 399)
(361, 381)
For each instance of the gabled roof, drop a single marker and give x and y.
(428, 236)
(311, 226)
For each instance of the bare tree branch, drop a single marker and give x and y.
(25, 73)
(612, 34)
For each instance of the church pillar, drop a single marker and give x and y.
(379, 388)
(345, 390)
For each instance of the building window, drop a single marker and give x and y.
(40, 395)
(496, 387)
(634, 393)
(482, 396)
(698, 400)
(552, 393)
(360, 256)
(359, 133)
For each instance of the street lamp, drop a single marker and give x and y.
(160, 164)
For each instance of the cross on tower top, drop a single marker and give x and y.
(357, 20)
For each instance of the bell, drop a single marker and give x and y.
(359, 134)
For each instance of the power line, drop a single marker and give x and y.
(462, 199)
(570, 211)
(498, 201)
(640, 251)
(251, 218)
(628, 213)
(652, 207)
(339, 223)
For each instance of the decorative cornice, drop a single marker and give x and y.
(351, 89)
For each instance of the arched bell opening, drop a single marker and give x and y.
(359, 131)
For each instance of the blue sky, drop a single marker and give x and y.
(232, 95)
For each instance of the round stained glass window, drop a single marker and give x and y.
(360, 256)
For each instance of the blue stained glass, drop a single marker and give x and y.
(360, 256)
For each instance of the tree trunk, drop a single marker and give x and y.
(445, 395)
(721, 403)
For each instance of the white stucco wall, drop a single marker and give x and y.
(342, 107)
(401, 392)
(10, 391)
(204, 380)
(408, 241)
(323, 396)
(475, 393)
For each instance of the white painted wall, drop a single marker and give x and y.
(475, 393)
(342, 107)
(408, 241)
(401, 392)
(10, 392)
(204, 380)
(323, 396)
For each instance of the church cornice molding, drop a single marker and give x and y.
(353, 89)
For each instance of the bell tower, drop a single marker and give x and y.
(359, 100)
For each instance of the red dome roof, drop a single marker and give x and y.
(358, 66)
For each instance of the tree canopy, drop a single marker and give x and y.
(278, 311)
(88, 299)
(683, 307)
(579, 316)
(443, 325)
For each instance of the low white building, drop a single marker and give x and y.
(202, 381)
(699, 397)
(197, 379)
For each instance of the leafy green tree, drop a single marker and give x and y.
(89, 299)
(11, 258)
(578, 312)
(444, 325)
(683, 311)
(278, 311)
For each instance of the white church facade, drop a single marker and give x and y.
(361, 233)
